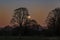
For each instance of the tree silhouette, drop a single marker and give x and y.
(53, 20)
(20, 16)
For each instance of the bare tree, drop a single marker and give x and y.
(53, 19)
(20, 16)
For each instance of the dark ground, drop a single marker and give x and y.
(28, 38)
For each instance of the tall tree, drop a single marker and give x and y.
(20, 16)
(53, 20)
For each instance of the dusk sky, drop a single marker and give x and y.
(38, 9)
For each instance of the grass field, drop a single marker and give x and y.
(28, 38)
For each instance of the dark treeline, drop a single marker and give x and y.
(21, 31)
(31, 28)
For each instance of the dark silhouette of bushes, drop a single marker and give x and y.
(27, 30)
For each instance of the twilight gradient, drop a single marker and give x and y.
(38, 9)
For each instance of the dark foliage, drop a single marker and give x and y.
(26, 31)
(53, 22)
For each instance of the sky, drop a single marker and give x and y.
(38, 9)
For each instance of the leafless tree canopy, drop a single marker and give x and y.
(53, 19)
(20, 16)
